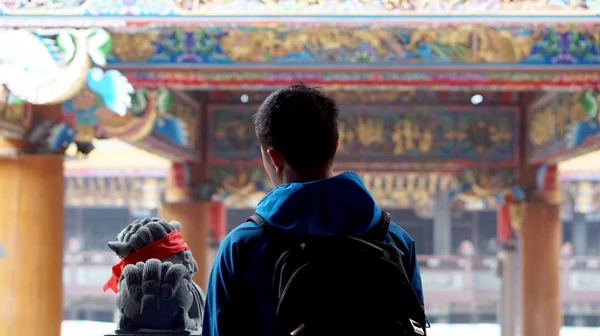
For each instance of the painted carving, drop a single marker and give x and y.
(177, 122)
(586, 119)
(410, 133)
(15, 117)
(244, 187)
(232, 133)
(135, 47)
(486, 183)
(180, 306)
(49, 67)
(408, 190)
(153, 112)
(566, 45)
(298, 7)
(240, 187)
(562, 122)
(484, 135)
(86, 113)
(394, 134)
(386, 45)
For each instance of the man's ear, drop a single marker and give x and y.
(276, 158)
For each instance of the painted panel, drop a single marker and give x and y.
(282, 45)
(563, 125)
(232, 136)
(188, 8)
(459, 136)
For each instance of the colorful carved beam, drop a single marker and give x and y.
(563, 125)
(159, 120)
(51, 66)
(361, 47)
(389, 80)
(199, 10)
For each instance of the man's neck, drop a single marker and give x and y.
(293, 177)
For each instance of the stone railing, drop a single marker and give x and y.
(446, 279)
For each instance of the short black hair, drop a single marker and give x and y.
(300, 122)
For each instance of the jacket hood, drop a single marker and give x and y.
(336, 205)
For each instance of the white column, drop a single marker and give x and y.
(579, 234)
(442, 220)
(508, 292)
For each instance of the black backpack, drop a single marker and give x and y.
(338, 286)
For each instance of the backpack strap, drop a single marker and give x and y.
(256, 218)
(380, 230)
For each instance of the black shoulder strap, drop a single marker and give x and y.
(256, 218)
(380, 230)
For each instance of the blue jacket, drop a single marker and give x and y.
(239, 299)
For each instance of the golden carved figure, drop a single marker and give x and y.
(501, 46)
(134, 47)
(398, 139)
(369, 131)
(426, 141)
(407, 136)
(543, 128)
(346, 136)
(250, 46)
(239, 186)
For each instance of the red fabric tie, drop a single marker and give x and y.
(163, 248)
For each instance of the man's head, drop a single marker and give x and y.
(297, 127)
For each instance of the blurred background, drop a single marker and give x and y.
(117, 183)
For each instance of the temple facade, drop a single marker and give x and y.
(448, 109)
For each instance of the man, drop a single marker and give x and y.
(298, 130)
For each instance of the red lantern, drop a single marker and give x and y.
(504, 229)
